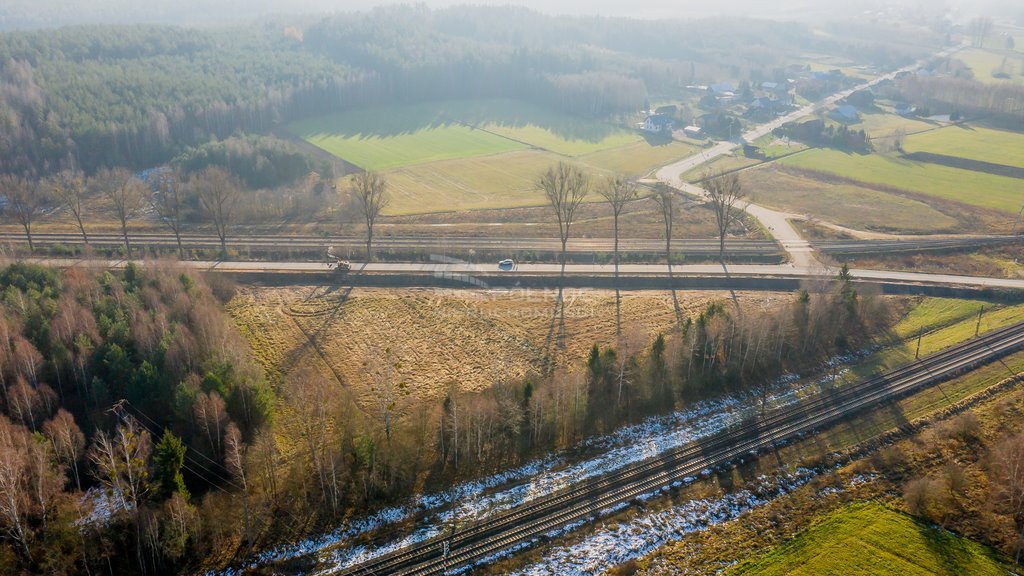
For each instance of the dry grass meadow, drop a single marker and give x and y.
(439, 338)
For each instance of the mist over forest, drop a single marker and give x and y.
(32, 14)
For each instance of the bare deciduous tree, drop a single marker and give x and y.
(211, 416)
(618, 192)
(121, 461)
(565, 187)
(25, 200)
(70, 189)
(218, 192)
(664, 197)
(126, 193)
(169, 202)
(234, 458)
(311, 396)
(1007, 476)
(370, 190)
(980, 29)
(725, 195)
(382, 372)
(13, 475)
(67, 440)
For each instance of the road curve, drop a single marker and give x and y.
(776, 222)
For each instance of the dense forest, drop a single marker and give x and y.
(133, 389)
(137, 96)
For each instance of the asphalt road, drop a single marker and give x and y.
(554, 270)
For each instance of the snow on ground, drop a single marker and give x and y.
(613, 545)
(101, 505)
(616, 544)
(508, 489)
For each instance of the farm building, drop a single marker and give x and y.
(695, 132)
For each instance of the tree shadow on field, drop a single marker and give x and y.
(953, 552)
(312, 340)
(656, 139)
(555, 340)
(398, 120)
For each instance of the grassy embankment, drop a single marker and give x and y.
(761, 531)
(873, 539)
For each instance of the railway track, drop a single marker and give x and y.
(435, 243)
(536, 521)
(868, 247)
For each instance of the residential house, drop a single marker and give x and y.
(904, 109)
(722, 88)
(657, 123)
(846, 113)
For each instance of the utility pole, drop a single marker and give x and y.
(917, 355)
(977, 327)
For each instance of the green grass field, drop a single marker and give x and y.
(565, 143)
(983, 144)
(540, 127)
(880, 125)
(480, 154)
(483, 182)
(638, 158)
(392, 136)
(935, 313)
(983, 61)
(968, 187)
(870, 539)
(945, 323)
(844, 204)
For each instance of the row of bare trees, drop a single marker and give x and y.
(171, 196)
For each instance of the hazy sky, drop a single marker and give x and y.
(48, 13)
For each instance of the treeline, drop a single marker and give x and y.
(1001, 103)
(259, 161)
(819, 133)
(136, 96)
(719, 352)
(125, 399)
(96, 97)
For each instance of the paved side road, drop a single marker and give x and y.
(800, 252)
